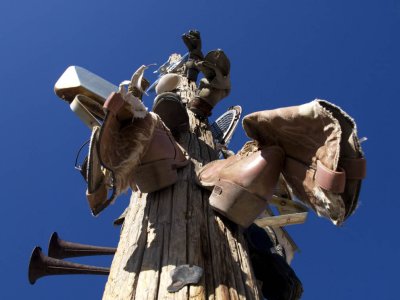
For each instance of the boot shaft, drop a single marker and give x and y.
(325, 163)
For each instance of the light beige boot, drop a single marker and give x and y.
(243, 184)
(324, 161)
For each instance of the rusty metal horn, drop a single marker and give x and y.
(59, 248)
(41, 265)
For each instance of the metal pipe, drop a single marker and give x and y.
(41, 265)
(60, 249)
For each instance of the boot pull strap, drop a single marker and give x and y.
(114, 102)
(324, 177)
(356, 168)
(333, 181)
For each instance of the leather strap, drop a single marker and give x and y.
(333, 181)
(114, 102)
(356, 168)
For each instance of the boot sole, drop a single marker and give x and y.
(236, 203)
(173, 113)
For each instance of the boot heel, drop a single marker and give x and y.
(236, 203)
(156, 175)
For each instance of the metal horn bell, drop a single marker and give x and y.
(59, 248)
(41, 265)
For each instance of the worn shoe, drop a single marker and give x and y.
(159, 164)
(130, 152)
(115, 149)
(172, 112)
(324, 161)
(243, 185)
(207, 176)
(214, 86)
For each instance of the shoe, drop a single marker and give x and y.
(172, 112)
(159, 164)
(214, 86)
(203, 103)
(243, 185)
(207, 176)
(324, 160)
(130, 152)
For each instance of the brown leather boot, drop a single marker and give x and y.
(158, 167)
(324, 160)
(130, 151)
(215, 86)
(243, 185)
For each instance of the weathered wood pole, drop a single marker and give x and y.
(176, 226)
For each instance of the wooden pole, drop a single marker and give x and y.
(177, 226)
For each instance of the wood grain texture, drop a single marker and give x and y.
(177, 226)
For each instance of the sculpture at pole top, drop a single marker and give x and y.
(305, 155)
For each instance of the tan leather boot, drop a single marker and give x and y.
(243, 185)
(207, 176)
(324, 160)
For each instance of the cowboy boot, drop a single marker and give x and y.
(159, 164)
(146, 149)
(324, 161)
(243, 185)
(114, 150)
(139, 154)
(216, 84)
(207, 175)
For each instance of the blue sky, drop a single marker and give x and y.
(282, 53)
